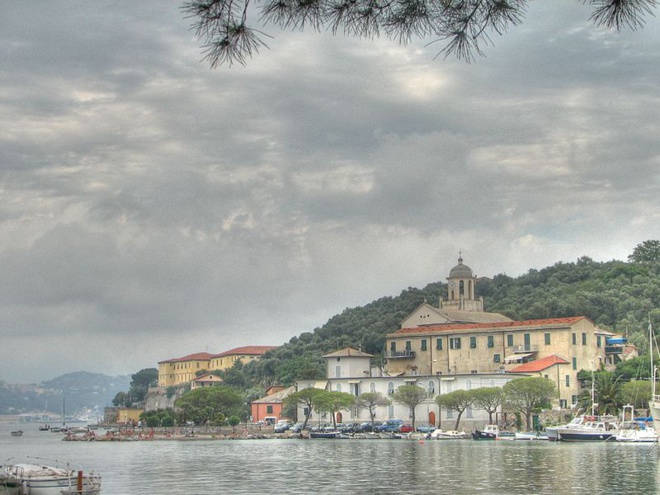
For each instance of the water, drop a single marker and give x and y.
(349, 466)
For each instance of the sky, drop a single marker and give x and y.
(152, 207)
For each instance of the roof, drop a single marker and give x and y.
(510, 325)
(275, 398)
(348, 352)
(539, 364)
(249, 350)
(198, 356)
(461, 270)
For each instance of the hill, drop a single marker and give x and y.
(617, 296)
(81, 391)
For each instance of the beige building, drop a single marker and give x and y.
(185, 369)
(460, 338)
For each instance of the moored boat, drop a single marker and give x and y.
(531, 435)
(16, 433)
(591, 431)
(440, 434)
(40, 479)
(492, 432)
(324, 434)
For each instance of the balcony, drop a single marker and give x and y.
(401, 355)
(525, 348)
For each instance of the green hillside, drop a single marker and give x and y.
(617, 296)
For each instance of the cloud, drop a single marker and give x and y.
(152, 207)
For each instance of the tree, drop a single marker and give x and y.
(370, 401)
(528, 395)
(333, 402)
(489, 399)
(637, 393)
(458, 400)
(462, 25)
(304, 398)
(233, 421)
(607, 393)
(646, 252)
(411, 396)
(140, 383)
(210, 404)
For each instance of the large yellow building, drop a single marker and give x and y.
(460, 338)
(182, 370)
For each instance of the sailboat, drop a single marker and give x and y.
(654, 403)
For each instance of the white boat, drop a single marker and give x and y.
(40, 479)
(635, 430)
(492, 432)
(591, 431)
(440, 434)
(531, 435)
(551, 431)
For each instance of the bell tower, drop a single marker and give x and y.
(460, 289)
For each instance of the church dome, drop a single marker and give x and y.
(461, 270)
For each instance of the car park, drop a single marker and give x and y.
(391, 426)
(425, 428)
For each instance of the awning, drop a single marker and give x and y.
(515, 358)
(322, 384)
(354, 381)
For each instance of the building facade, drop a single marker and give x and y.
(349, 370)
(178, 371)
(446, 342)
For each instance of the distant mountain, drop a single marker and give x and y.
(81, 392)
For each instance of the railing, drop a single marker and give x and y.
(401, 354)
(525, 348)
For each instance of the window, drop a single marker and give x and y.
(450, 414)
(431, 387)
(568, 380)
(575, 363)
(468, 412)
(408, 345)
(392, 346)
(547, 338)
(509, 340)
(599, 341)
(372, 387)
(454, 342)
(496, 358)
(584, 338)
(337, 371)
(473, 342)
(574, 339)
(423, 344)
(573, 399)
(338, 387)
(438, 344)
(491, 341)
(562, 403)
(390, 388)
(390, 411)
(468, 385)
(269, 409)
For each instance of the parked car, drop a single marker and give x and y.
(406, 428)
(349, 427)
(281, 427)
(391, 425)
(297, 428)
(368, 426)
(425, 428)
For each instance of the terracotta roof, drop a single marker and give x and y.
(348, 352)
(275, 398)
(548, 322)
(198, 356)
(249, 350)
(539, 364)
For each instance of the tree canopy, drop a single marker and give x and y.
(527, 395)
(458, 400)
(211, 405)
(463, 26)
(411, 396)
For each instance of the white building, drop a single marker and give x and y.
(349, 370)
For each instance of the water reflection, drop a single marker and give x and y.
(353, 466)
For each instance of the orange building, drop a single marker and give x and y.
(271, 405)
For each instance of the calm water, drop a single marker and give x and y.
(349, 466)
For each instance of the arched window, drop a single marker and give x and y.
(339, 387)
(390, 388)
(468, 385)
(372, 387)
(431, 387)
